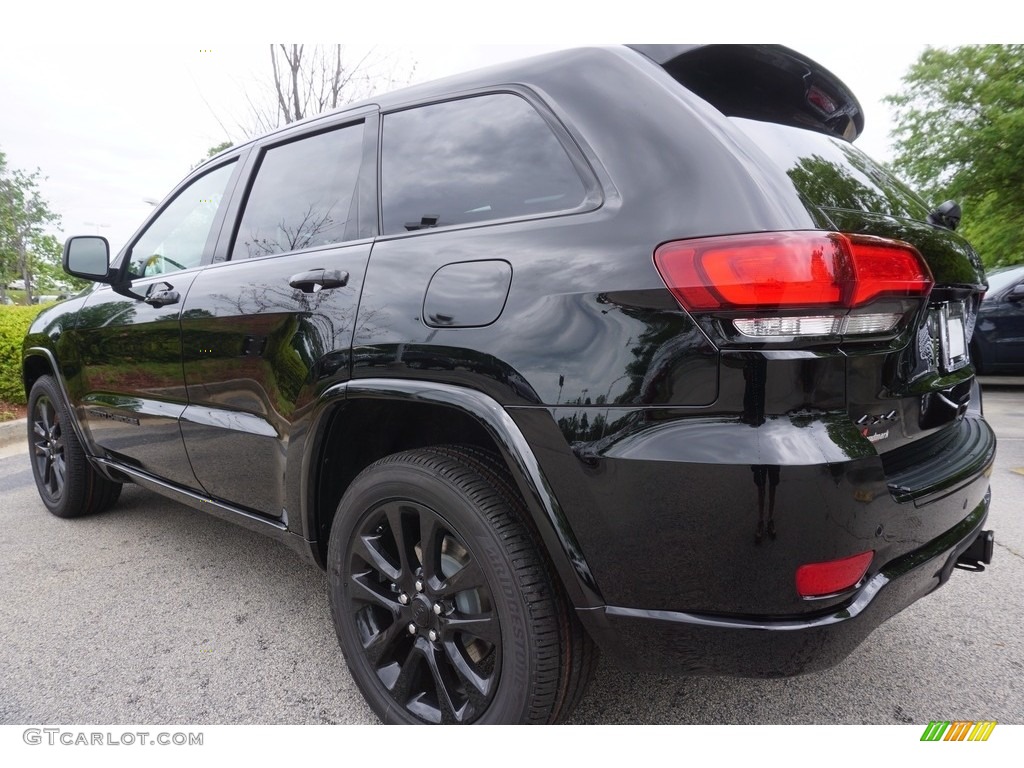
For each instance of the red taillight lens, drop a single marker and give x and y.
(819, 579)
(887, 268)
(789, 270)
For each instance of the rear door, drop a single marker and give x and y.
(270, 324)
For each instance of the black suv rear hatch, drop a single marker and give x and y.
(928, 382)
(908, 397)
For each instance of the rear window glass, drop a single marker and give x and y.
(303, 195)
(472, 160)
(832, 173)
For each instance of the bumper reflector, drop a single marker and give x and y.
(833, 576)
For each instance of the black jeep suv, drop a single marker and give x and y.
(622, 348)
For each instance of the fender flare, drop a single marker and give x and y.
(62, 387)
(547, 514)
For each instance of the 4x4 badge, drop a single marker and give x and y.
(871, 420)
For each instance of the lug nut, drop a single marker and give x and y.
(419, 586)
(403, 599)
(437, 608)
(412, 628)
(432, 635)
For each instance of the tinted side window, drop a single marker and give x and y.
(476, 159)
(177, 237)
(303, 195)
(833, 173)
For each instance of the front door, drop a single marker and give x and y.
(131, 390)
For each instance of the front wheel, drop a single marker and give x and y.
(444, 606)
(67, 483)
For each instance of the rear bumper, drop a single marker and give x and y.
(695, 644)
(701, 515)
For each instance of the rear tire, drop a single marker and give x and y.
(445, 607)
(68, 484)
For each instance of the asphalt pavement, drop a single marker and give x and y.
(154, 613)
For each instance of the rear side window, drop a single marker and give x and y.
(832, 173)
(472, 160)
(303, 195)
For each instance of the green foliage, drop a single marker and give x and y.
(14, 322)
(25, 248)
(960, 135)
(994, 230)
(214, 151)
(218, 148)
(50, 277)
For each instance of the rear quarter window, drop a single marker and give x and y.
(473, 160)
(832, 173)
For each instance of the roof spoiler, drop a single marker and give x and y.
(763, 82)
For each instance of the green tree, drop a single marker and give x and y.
(213, 151)
(48, 270)
(960, 134)
(25, 247)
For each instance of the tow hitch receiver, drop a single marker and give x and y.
(979, 554)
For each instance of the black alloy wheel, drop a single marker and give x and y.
(444, 606)
(424, 613)
(48, 448)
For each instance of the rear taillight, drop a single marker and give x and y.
(792, 284)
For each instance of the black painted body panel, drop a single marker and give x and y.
(559, 338)
(736, 508)
(700, 644)
(131, 391)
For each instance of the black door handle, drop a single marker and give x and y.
(319, 280)
(161, 294)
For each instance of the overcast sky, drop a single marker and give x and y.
(111, 124)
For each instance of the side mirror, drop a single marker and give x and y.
(88, 257)
(1017, 294)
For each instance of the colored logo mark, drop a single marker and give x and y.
(958, 730)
